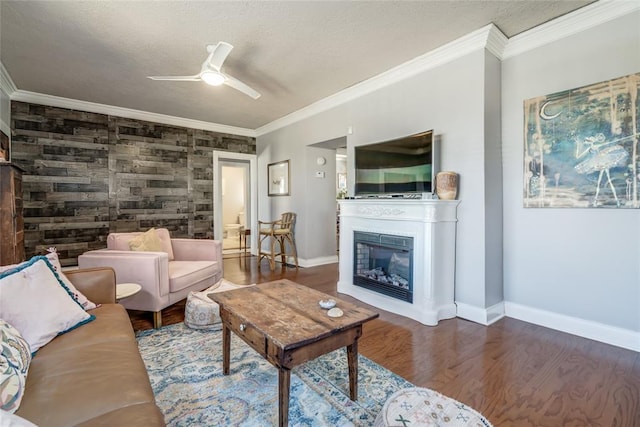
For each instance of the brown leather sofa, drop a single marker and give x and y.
(93, 375)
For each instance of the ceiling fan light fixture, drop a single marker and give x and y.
(210, 72)
(212, 78)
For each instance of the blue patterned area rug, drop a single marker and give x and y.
(185, 369)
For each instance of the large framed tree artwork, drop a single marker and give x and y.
(581, 147)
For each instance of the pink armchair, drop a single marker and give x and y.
(166, 277)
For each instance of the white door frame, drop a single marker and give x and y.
(221, 156)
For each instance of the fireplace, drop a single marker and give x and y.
(383, 240)
(384, 263)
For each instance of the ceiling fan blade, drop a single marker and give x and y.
(195, 78)
(238, 85)
(219, 54)
(211, 68)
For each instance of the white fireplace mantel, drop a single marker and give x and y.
(432, 224)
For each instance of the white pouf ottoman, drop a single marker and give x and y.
(201, 312)
(425, 407)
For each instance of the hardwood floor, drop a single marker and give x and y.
(513, 372)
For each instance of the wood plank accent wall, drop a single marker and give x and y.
(89, 174)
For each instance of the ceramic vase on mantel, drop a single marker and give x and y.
(447, 185)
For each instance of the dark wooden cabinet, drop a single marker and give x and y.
(11, 219)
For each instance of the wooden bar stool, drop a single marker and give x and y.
(280, 233)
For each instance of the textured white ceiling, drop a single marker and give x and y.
(294, 53)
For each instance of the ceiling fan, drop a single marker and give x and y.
(210, 72)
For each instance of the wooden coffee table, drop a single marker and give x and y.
(283, 322)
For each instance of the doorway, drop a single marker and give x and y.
(235, 201)
(235, 189)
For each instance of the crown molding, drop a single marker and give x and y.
(496, 41)
(15, 94)
(456, 49)
(75, 104)
(8, 87)
(572, 23)
(489, 37)
(6, 82)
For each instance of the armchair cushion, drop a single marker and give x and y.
(183, 274)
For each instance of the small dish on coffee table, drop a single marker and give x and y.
(327, 303)
(335, 312)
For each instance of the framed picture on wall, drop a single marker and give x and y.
(581, 147)
(278, 178)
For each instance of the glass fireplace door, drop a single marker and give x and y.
(384, 263)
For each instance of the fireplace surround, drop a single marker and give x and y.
(430, 226)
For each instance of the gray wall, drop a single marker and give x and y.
(493, 182)
(449, 99)
(322, 215)
(311, 198)
(583, 263)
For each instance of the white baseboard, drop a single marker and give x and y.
(613, 335)
(484, 316)
(312, 262)
(607, 334)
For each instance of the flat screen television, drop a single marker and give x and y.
(397, 167)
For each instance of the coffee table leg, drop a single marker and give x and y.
(352, 359)
(226, 348)
(284, 380)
